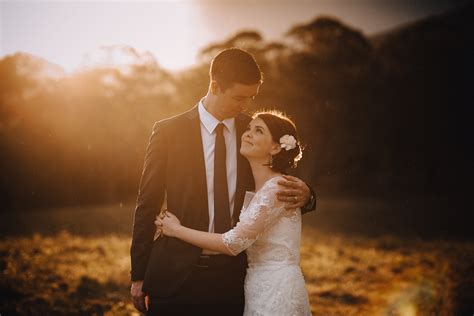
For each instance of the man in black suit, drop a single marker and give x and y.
(185, 162)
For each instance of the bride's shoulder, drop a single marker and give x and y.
(271, 187)
(273, 182)
(266, 198)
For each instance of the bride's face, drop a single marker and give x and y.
(257, 141)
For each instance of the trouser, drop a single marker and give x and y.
(214, 287)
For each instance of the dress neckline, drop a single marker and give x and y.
(255, 192)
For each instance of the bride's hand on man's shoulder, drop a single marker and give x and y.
(167, 223)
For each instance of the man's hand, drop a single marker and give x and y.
(295, 192)
(138, 296)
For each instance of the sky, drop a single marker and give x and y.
(66, 32)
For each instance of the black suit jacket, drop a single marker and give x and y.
(174, 166)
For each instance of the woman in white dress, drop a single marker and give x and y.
(269, 233)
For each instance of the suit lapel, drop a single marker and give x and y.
(244, 173)
(197, 159)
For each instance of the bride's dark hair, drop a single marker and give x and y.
(280, 125)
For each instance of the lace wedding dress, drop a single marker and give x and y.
(271, 236)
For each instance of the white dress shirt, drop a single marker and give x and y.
(208, 126)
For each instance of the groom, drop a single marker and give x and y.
(193, 161)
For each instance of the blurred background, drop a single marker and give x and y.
(379, 90)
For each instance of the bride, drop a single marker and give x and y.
(270, 235)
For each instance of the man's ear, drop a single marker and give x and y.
(214, 87)
(276, 148)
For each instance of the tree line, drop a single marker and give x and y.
(380, 116)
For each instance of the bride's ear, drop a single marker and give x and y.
(276, 148)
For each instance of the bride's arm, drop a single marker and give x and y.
(171, 226)
(260, 214)
(203, 240)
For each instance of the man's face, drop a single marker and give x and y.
(235, 99)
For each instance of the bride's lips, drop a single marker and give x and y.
(247, 142)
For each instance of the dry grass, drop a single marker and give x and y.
(65, 275)
(68, 274)
(386, 276)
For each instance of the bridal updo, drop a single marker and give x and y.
(280, 125)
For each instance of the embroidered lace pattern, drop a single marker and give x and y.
(271, 237)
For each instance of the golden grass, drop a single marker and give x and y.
(68, 274)
(382, 276)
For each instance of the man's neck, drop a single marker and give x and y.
(209, 105)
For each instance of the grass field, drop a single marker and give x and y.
(79, 271)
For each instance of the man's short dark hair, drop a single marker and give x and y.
(235, 65)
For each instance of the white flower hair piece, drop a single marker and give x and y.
(288, 142)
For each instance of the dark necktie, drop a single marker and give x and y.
(221, 192)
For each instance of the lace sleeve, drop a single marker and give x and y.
(263, 211)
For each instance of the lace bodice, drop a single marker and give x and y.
(269, 232)
(274, 285)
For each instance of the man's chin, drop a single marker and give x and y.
(235, 113)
